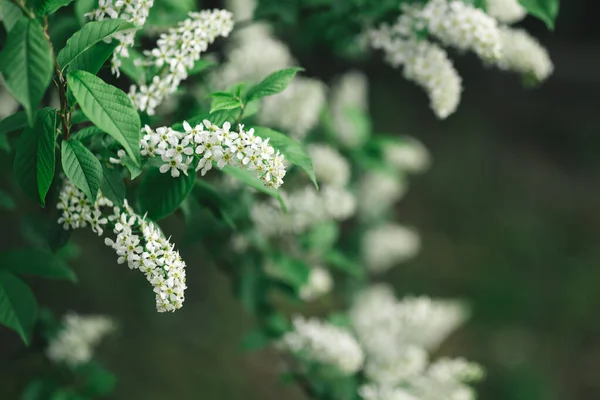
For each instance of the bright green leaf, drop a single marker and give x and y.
(113, 186)
(18, 308)
(546, 10)
(81, 167)
(160, 194)
(35, 159)
(26, 63)
(86, 38)
(51, 6)
(93, 59)
(249, 179)
(293, 151)
(10, 14)
(200, 66)
(224, 101)
(272, 84)
(109, 108)
(36, 262)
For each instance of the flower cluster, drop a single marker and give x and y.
(324, 343)
(134, 11)
(213, 144)
(388, 245)
(522, 53)
(75, 342)
(397, 336)
(506, 11)
(377, 192)
(407, 156)
(177, 51)
(295, 110)
(349, 94)
(426, 64)
(319, 283)
(305, 208)
(138, 242)
(331, 168)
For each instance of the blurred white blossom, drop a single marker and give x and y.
(522, 53)
(377, 193)
(506, 11)
(319, 283)
(385, 246)
(408, 155)
(306, 207)
(349, 94)
(175, 54)
(296, 110)
(331, 168)
(242, 10)
(74, 344)
(374, 392)
(324, 343)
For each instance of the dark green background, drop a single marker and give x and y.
(510, 220)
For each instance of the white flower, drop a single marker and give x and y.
(324, 343)
(349, 94)
(212, 143)
(138, 243)
(75, 342)
(242, 10)
(331, 168)
(377, 193)
(319, 283)
(296, 110)
(388, 245)
(306, 207)
(374, 392)
(523, 54)
(177, 51)
(407, 155)
(507, 11)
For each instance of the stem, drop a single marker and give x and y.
(239, 118)
(21, 5)
(65, 113)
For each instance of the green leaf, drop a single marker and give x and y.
(109, 109)
(51, 6)
(546, 10)
(134, 169)
(13, 122)
(200, 66)
(26, 63)
(35, 159)
(81, 167)
(83, 7)
(10, 14)
(292, 271)
(249, 179)
(97, 380)
(36, 262)
(255, 340)
(86, 38)
(272, 84)
(6, 202)
(93, 59)
(336, 259)
(224, 101)
(87, 133)
(113, 186)
(160, 194)
(293, 151)
(18, 308)
(321, 238)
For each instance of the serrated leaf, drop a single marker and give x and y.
(36, 262)
(18, 308)
(26, 64)
(35, 159)
(113, 186)
(93, 59)
(293, 151)
(272, 84)
(160, 194)
(546, 10)
(10, 14)
(249, 179)
(81, 167)
(109, 108)
(86, 38)
(224, 101)
(13, 122)
(51, 6)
